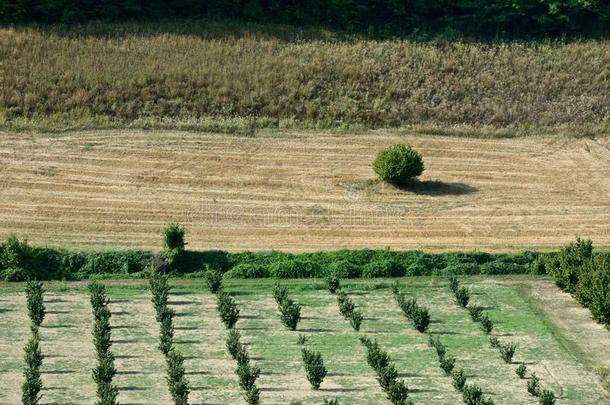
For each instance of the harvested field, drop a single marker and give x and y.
(301, 191)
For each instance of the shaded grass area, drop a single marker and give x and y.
(203, 75)
(200, 337)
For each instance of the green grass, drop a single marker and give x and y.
(200, 337)
(227, 77)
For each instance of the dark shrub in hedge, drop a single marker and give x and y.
(346, 306)
(462, 296)
(453, 283)
(447, 364)
(546, 397)
(382, 267)
(280, 293)
(314, 367)
(166, 335)
(475, 312)
(399, 164)
(487, 324)
(356, 319)
(173, 237)
(248, 270)
(247, 375)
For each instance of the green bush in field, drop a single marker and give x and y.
(546, 397)
(166, 335)
(34, 292)
(356, 319)
(399, 164)
(314, 367)
(290, 313)
(280, 293)
(301, 339)
(438, 346)
(472, 395)
(31, 387)
(227, 308)
(107, 394)
(459, 379)
(507, 351)
(447, 364)
(398, 393)
(177, 383)
(333, 401)
(533, 385)
(475, 312)
(386, 376)
(213, 279)
(487, 324)
(333, 283)
(395, 287)
(97, 295)
(521, 370)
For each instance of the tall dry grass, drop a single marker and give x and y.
(209, 76)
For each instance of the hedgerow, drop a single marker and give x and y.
(43, 263)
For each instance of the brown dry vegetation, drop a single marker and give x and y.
(204, 75)
(301, 191)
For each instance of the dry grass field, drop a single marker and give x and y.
(523, 308)
(301, 191)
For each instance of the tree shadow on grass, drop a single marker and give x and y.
(437, 188)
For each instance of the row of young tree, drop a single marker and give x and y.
(177, 382)
(507, 350)
(31, 387)
(104, 371)
(585, 275)
(347, 308)
(417, 314)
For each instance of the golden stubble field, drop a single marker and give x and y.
(301, 191)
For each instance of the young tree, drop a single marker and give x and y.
(333, 283)
(34, 292)
(213, 279)
(30, 390)
(227, 308)
(176, 380)
(521, 370)
(290, 313)
(314, 367)
(459, 379)
(507, 351)
(533, 385)
(462, 296)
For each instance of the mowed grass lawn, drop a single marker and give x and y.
(514, 303)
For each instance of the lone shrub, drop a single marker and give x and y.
(521, 370)
(475, 312)
(333, 283)
(399, 164)
(177, 383)
(507, 351)
(462, 296)
(459, 379)
(314, 367)
(546, 398)
(30, 390)
(34, 294)
(227, 308)
(213, 279)
(533, 385)
(290, 314)
(487, 324)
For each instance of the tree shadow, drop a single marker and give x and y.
(437, 188)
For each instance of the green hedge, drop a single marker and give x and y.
(18, 261)
(488, 17)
